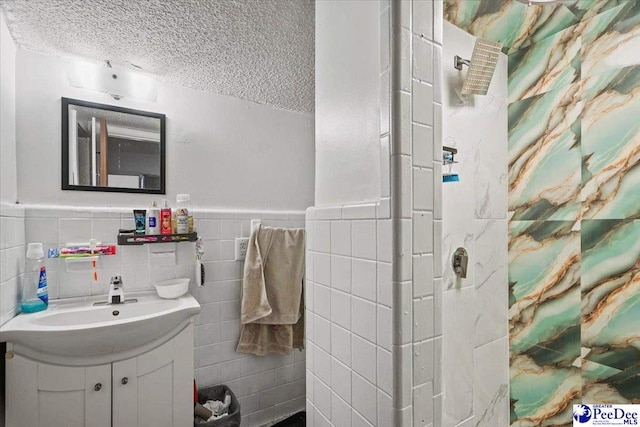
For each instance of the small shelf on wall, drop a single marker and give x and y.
(141, 239)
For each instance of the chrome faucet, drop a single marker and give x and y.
(116, 291)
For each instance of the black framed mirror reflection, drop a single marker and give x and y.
(111, 148)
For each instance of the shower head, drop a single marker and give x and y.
(481, 67)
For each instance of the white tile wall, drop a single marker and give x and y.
(322, 301)
(363, 279)
(364, 399)
(422, 105)
(341, 273)
(363, 238)
(423, 146)
(417, 211)
(341, 344)
(351, 253)
(341, 410)
(340, 308)
(474, 215)
(340, 238)
(422, 59)
(12, 258)
(350, 343)
(268, 387)
(365, 362)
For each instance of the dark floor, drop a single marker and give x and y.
(296, 420)
(3, 349)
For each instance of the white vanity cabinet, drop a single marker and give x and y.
(39, 394)
(152, 389)
(155, 389)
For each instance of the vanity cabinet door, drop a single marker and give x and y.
(43, 395)
(155, 389)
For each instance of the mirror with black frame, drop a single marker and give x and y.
(110, 148)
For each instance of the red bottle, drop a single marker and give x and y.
(165, 218)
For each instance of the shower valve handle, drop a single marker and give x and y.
(459, 262)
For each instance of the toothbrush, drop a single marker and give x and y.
(92, 245)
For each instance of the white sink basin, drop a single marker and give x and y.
(75, 330)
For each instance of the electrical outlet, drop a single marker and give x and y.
(241, 248)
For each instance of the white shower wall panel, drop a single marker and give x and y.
(474, 309)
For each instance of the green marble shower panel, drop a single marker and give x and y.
(544, 319)
(542, 395)
(552, 63)
(585, 9)
(610, 39)
(611, 144)
(544, 156)
(604, 384)
(610, 271)
(514, 24)
(574, 200)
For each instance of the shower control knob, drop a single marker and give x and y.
(459, 262)
(125, 380)
(97, 387)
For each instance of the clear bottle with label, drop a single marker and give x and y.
(183, 202)
(35, 295)
(153, 219)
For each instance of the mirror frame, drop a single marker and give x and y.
(65, 147)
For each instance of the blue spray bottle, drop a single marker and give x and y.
(35, 296)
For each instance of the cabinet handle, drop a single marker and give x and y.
(97, 387)
(124, 380)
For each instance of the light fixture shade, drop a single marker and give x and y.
(118, 83)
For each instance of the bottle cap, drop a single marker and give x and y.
(183, 198)
(154, 204)
(165, 203)
(35, 251)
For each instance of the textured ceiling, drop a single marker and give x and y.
(258, 50)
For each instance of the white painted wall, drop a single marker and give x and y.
(225, 152)
(8, 186)
(347, 102)
(475, 359)
(12, 226)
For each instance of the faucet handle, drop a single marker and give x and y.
(459, 262)
(116, 291)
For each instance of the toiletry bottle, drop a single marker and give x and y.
(183, 213)
(165, 218)
(153, 219)
(140, 220)
(34, 293)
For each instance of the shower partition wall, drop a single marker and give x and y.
(349, 246)
(375, 334)
(416, 158)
